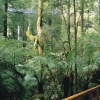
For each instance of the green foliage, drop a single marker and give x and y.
(10, 78)
(47, 70)
(11, 86)
(12, 57)
(21, 69)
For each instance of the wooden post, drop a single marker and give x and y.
(97, 94)
(90, 96)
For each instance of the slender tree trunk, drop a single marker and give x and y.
(71, 79)
(68, 31)
(5, 18)
(24, 35)
(82, 25)
(41, 42)
(68, 25)
(39, 26)
(82, 16)
(75, 37)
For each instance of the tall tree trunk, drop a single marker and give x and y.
(82, 16)
(68, 25)
(39, 26)
(68, 31)
(5, 18)
(75, 37)
(82, 24)
(24, 35)
(41, 42)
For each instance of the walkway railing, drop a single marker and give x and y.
(90, 94)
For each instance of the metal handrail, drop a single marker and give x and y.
(88, 92)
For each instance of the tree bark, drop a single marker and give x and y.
(82, 16)
(5, 18)
(24, 35)
(82, 24)
(68, 26)
(65, 83)
(39, 27)
(75, 37)
(40, 89)
(41, 42)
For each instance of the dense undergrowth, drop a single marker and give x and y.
(25, 75)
